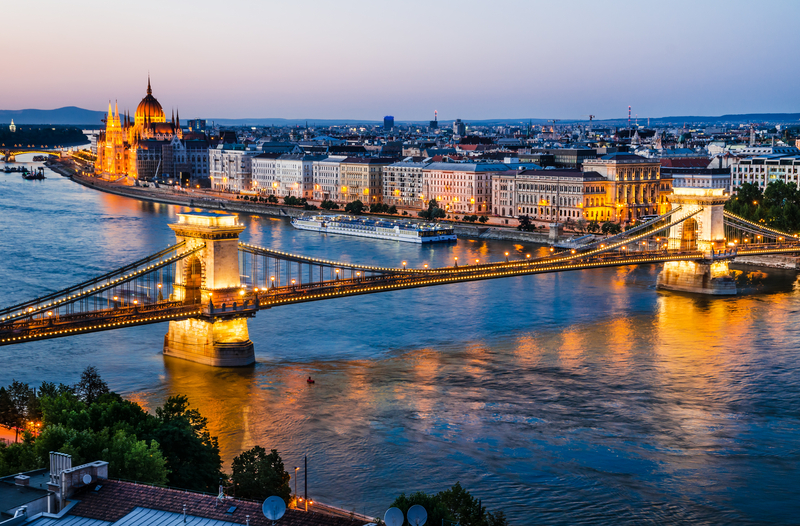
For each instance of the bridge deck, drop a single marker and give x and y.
(30, 329)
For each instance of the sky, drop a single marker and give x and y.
(363, 59)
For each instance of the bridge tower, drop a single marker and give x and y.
(704, 231)
(210, 278)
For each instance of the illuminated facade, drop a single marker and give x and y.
(552, 195)
(118, 144)
(461, 187)
(636, 188)
(362, 179)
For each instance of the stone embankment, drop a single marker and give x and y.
(206, 200)
(774, 261)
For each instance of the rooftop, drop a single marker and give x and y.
(12, 495)
(116, 500)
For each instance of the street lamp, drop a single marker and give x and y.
(456, 258)
(506, 257)
(404, 265)
(296, 468)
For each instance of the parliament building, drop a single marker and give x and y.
(144, 148)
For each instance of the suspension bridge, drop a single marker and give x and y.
(209, 283)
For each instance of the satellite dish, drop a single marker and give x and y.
(393, 517)
(87, 479)
(417, 515)
(273, 508)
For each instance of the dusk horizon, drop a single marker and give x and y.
(361, 61)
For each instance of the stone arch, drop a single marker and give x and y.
(194, 274)
(689, 234)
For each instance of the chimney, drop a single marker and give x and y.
(22, 480)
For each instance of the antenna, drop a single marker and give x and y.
(393, 517)
(417, 515)
(273, 508)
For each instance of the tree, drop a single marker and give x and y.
(355, 207)
(525, 223)
(593, 227)
(437, 511)
(258, 475)
(392, 210)
(581, 225)
(128, 457)
(91, 386)
(483, 219)
(10, 417)
(272, 199)
(452, 505)
(192, 453)
(135, 459)
(610, 228)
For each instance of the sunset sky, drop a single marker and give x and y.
(366, 59)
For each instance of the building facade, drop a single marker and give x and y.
(117, 145)
(362, 178)
(695, 172)
(765, 169)
(327, 178)
(403, 184)
(295, 174)
(636, 187)
(461, 187)
(552, 195)
(231, 167)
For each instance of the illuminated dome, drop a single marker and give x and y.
(149, 109)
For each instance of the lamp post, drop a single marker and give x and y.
(296, 469)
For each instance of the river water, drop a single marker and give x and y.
(585, 397)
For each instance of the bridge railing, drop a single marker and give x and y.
(147, 281)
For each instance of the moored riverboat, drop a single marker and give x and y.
(395, 230)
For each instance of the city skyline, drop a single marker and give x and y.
(358, 61)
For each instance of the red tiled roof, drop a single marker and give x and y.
(685, 162)
(116, 499)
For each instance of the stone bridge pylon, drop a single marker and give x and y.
(703, 231)
(210, 278)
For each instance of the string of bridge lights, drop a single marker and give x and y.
(79, 330)
(126, 277)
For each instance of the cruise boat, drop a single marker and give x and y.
(397, 230)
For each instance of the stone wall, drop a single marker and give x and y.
(775, 261)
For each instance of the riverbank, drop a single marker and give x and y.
(205, 199)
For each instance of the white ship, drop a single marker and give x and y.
(399, 230)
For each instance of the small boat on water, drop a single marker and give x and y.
(395, 230)
(36, 175)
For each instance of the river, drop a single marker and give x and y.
(584, 397)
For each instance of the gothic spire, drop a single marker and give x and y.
(149, 90)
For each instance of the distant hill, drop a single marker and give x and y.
(79, 116)
(67, 115)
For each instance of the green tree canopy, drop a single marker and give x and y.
(452, 505)
(257, 475)
(192, 453)
(356, 207)
(91, 386)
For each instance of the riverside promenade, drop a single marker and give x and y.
(210, 200)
